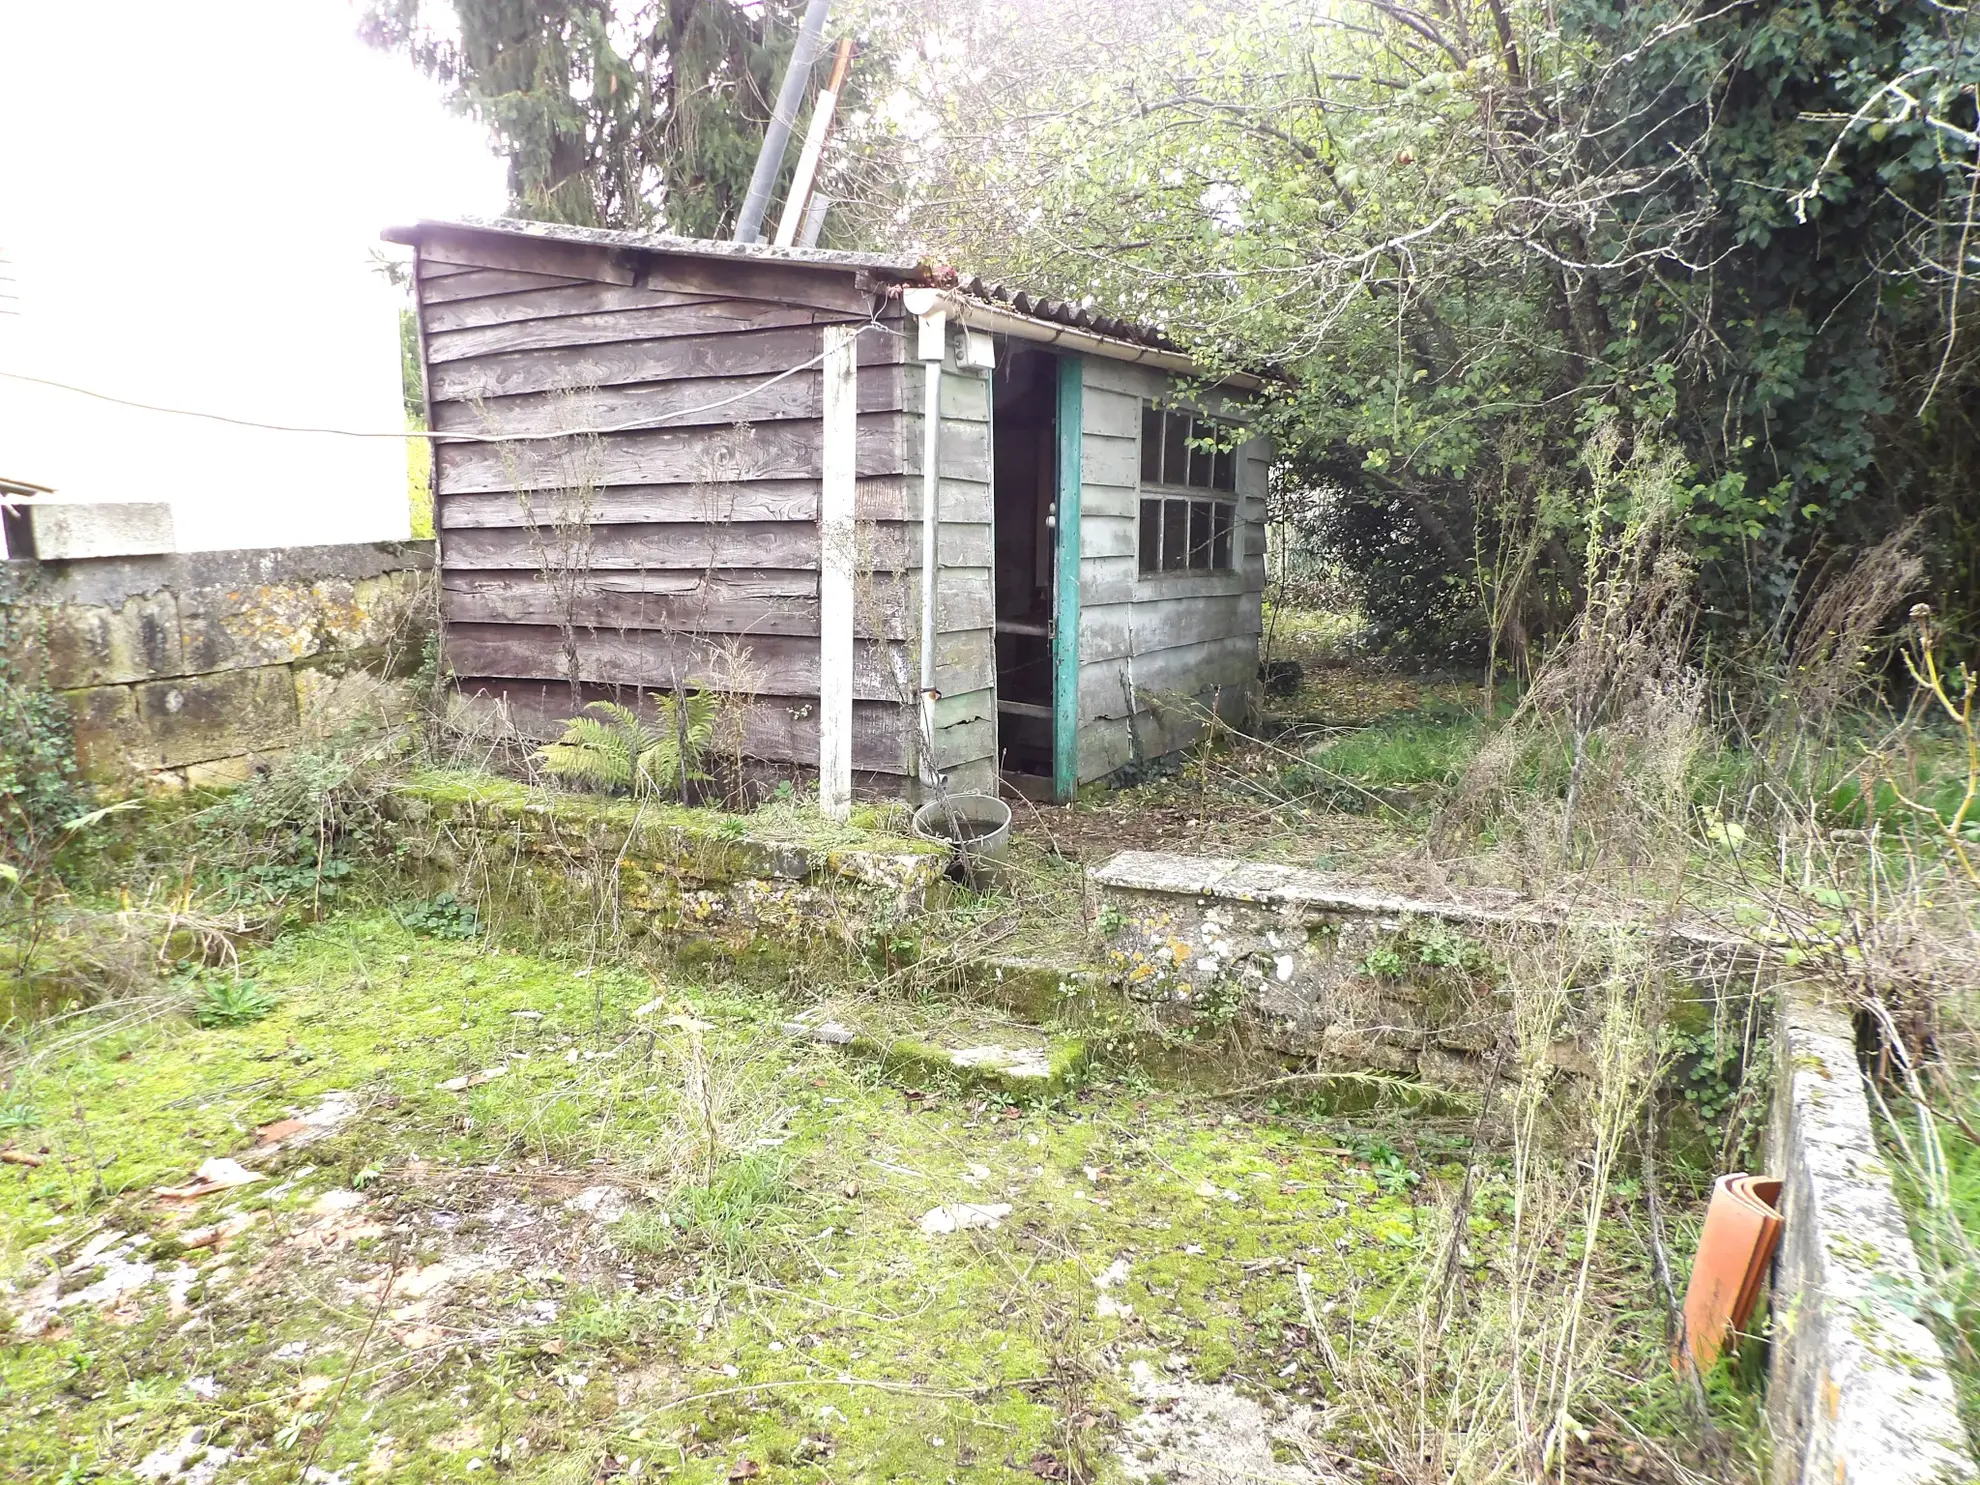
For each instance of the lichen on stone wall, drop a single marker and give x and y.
(667, 869)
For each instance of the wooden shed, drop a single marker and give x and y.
(696, 463)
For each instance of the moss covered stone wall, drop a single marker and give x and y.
(194, 668)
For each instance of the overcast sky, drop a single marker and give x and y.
(188, 198)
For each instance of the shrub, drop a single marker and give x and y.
(615, 748)
(37, 749)
(230, 1002)
(445, 916)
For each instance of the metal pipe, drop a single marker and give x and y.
(814, 147)
(814, 219)
(931, 347)
(770, 159)
(931, 519)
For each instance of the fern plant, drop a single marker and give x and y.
(615, 748)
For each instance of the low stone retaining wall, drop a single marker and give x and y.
(191, 668)
(573, 860)
(1858, 1390)
(1359, 980)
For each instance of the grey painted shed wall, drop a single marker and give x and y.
(1161, 649)
(1157, 648)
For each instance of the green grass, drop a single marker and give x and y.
(1424, 751)
(780, 1286)
(1946, 1238)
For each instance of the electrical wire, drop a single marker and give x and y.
(436, 435)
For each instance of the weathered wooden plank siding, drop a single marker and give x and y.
(502, 299)
(1156, 650)
(965, 742)
(676, 531)
(878, 498)
(674, 315)
(675, 528)
(761, 664)
(576, 368)
(778, 730)
(776, 283)
(715, 401)
(757, 451)
(735, 601)
(570, 539)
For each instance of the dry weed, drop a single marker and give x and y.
(1484, 1366)
(1591, 769)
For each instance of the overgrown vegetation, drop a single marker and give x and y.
(1617, 361)
(1472, 233)
(616, 748)
(38, 792)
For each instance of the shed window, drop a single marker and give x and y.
(1187, 465)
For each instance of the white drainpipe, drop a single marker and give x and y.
(932, 346)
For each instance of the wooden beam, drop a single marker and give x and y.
(574, 368)
(830, 286)
(479, 290)
(694, 601)
(658, 321)
(679, 403)
(506, 298)
(562, 543)
(709, 455)
(879, 498)
(750, 664)
(837, 559)
(1065, 641)
(776, 729)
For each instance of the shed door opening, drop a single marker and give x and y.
(1024, 425)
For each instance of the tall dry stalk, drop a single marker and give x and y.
(559, 523)
(1592, 764)
(1481, 1363)
(1836, 635)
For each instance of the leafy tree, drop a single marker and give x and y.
(611, 114)
(1473, 231)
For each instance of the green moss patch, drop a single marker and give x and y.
(573, 1220)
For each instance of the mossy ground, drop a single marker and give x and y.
(444, 1282)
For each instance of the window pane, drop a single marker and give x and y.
(1175, 535)
(1175, 448)
(1226, 478)
(1151, 535)
(1151, 446)
(1220, 535)
(1201, 433)
(1199, 533)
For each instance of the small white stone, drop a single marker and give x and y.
(957, 1216)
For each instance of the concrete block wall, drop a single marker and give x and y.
(193, 668)
(1858, 1392)
(1286, 948)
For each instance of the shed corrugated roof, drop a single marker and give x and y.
(895, 267)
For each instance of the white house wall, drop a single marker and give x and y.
(195, 240)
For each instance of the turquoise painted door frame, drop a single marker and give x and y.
(1065, 568)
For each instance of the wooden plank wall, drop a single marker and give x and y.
(965, 606)
(690, 545)
(1148, 644)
